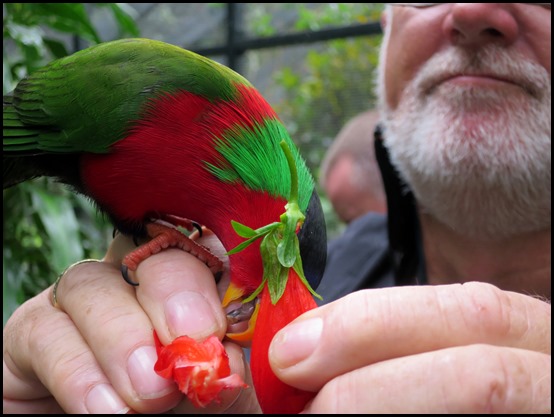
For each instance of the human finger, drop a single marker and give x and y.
(118, 332)
(473, 379)
(179, 294)
(176, 296)
(395, 322)
(49, 368)
(177, 290)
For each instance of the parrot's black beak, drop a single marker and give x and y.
(313, 242)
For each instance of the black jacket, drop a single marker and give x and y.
(377, 251)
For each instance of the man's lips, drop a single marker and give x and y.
(483, 80)
(479, 80)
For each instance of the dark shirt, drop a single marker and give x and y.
(377, 251)
(359, 258)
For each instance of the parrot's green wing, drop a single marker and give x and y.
(85, 102)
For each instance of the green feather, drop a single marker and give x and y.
(254, 156)
(86, 101)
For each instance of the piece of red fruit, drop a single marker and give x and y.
(200, 369)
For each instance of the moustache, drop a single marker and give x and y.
(490, 61)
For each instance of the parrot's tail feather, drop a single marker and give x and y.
(21, 158)
(17, 138)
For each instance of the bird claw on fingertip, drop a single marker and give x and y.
(125, 274)
(198, 227)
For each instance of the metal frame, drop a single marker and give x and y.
(237, 45)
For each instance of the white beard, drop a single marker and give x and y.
(478, 160)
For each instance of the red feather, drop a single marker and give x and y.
(163, 157)
(162, 162)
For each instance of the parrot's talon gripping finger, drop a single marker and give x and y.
(198, 227)
(115, 232)
(125, 274)
(164, 237)
(135, 241)
(217, 276)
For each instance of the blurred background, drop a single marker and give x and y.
(314, 63)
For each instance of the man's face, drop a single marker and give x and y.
(417, 35)
(465, 89)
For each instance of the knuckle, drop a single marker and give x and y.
(334, 398)
(486, 309)
(497, 382)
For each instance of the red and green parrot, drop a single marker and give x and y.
(160, 137)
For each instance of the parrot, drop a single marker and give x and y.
(159, 137)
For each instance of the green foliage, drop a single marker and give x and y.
(45, 226)
(341, 72)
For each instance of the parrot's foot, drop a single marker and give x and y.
(164, 237)
(180, 221)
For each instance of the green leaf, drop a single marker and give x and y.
(255, 293)
(277, 285)
(267, 249)
(286, 251)
(275, 274)
(243, 245)
(62, 228)
(124, 15)
(245, 231)
(57, 48)
(68, 17)
(242, 230)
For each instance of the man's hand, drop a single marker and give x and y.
(95, 351)
(468, 348)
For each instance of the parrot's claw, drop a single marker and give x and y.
(125, 274)
(198, 227)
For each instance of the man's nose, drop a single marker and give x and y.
(475, 24)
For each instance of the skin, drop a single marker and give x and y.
(96, 327)
(520, 263)
(457, 347)
(348, 201)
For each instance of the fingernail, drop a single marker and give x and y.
(146, 382)
(102, 399)
(295, 342)
(188, 313)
